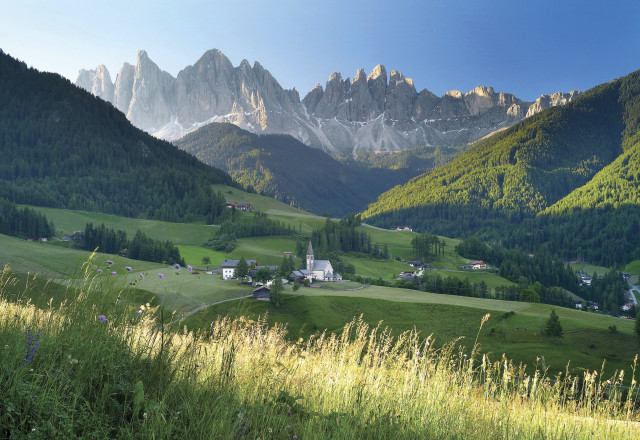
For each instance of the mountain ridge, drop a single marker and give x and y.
(376, 112)
(566, 180)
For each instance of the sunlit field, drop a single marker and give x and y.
(100, 366)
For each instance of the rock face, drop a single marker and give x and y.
(546, 101)
(372, 112)
(98, 82)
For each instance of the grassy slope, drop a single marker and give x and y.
(586, 343)
(67, 221)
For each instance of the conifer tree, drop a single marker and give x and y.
(552, 327)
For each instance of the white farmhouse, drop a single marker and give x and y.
(229, 268)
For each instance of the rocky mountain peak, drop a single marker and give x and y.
(457, 94)
(377, 72)
(552, 100)
(360, 76)
(373, 112)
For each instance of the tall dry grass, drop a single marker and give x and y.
(131, 377)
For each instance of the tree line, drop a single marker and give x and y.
(141, 247)
(23, 222)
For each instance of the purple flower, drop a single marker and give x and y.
(176, 266)
(103, 318)
(109, 262)
(288, 426)
(31, 341)
(160, 276)
(114, 273)
(141, 276)
(128, 268)
(289, 412)
(139, 313)
(99, 270)
(294, 437)
(190, 268)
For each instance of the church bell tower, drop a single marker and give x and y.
(310, 257)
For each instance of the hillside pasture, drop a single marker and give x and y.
(67, 221)
(587, 342)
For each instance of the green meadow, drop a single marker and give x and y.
(587, 341)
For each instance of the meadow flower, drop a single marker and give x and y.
(294, 437)
(139, 312)
(114, 273)
(160, 276)
(141, 276)
(176, 266)
(99, 270)
(128, 268)
(109, 262)
(189, 268)
(103, 318)
(288, 426)
(31, 345)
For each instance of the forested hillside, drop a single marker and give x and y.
(578, 164)
(281, 166)
(62, 147)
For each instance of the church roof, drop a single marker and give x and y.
(320, 265)
(310, 249)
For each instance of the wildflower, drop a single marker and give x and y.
(128, 268)
(31, 345)
(103, 318)
(289, 412)
(141, 276)
(189, 268)
(99, 270)
(114, 273)
(139, 313)
(288, 426)
(176, 266)
(160, 276)
(109, 262)
(294, 437)
(418, 353)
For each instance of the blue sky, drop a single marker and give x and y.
(522, 47)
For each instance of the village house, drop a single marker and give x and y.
(240, 206)
(404, 228)
(253, 272)
(301, 275)
(229, 268)
(474, 265)
(584, 279)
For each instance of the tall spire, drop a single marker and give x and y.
(310, 257)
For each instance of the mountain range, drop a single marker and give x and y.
(375, 112)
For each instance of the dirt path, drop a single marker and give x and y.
(204, 306)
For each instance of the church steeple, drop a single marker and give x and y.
(310, 257)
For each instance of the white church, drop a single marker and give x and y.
(321, 269)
